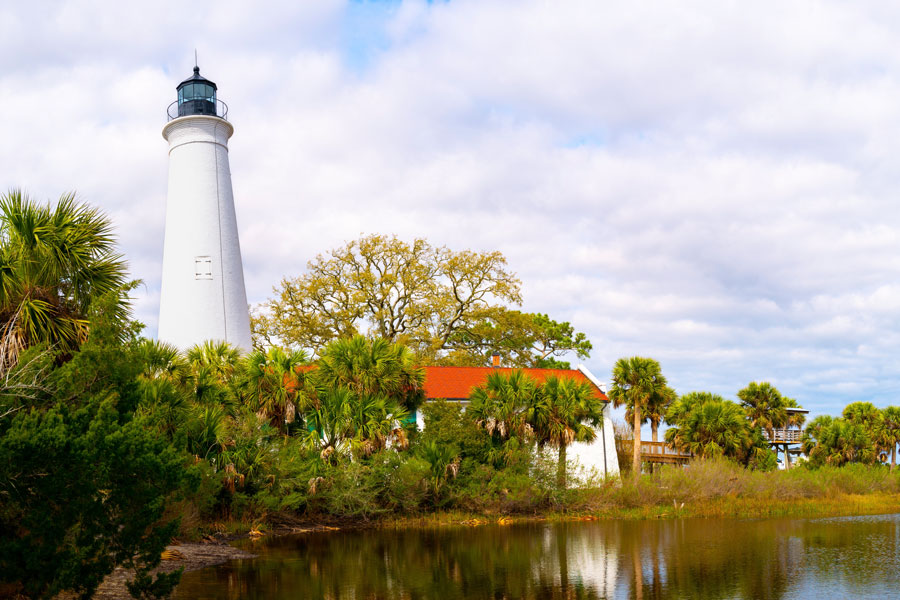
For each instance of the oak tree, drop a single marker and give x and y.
(448, 307)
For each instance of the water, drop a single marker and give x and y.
(847, 557)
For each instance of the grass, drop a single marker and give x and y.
(710, 489)
(704, 489)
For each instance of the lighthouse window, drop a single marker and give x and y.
(202, 267)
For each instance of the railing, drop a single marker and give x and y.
(783, 436)
(175, 110)
(659, 451)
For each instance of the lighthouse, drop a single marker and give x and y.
(203, 295)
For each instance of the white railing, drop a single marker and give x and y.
(783, 436)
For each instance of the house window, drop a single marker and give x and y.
(202, 267)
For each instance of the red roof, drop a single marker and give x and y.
(456, 383)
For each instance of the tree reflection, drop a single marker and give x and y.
(647, 560)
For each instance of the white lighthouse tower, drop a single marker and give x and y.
(203, 295)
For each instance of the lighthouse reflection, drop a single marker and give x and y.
(857, 557)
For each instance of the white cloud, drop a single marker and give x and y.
(711, 184)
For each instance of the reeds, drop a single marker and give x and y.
(723, 488)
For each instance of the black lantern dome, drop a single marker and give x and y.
(197, 96)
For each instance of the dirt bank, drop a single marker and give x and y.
(190, 556)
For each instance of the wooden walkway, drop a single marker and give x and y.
(658, 452)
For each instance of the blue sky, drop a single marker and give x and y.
(364, 37)
(712, 184)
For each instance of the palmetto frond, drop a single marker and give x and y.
(765, 406)
(219, 358)
(276, 384)
(836, 441)
(502, 404)
(55, 262)
(564, 410)
(373, 367)
(162, 361)
(708, 426)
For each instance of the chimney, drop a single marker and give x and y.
(495, 360)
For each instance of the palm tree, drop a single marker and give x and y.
(655, 411)
(635, 381)
(765, 407)
(565, 411)
(375, 420)
(866, 415)
(831, 441)
(862, 413)
(845, 441)
(890, 432)
(339, 421)
(328, 419)
(161, 384)
(219, 359)
(206, 428)
(55, 264)
(275, 382)
(162, 361)
(707, 426)
(444, 461)
(813, 433)
(501, 405)
(372, 367)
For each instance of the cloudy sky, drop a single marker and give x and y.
(713, 184)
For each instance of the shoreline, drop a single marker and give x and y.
(723, 507)
(216, 550)
(192, 556)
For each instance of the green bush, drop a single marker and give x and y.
(352, 490)
(83, 490)
(447, 425)
(404, 479)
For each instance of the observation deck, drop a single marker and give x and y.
(659, 452)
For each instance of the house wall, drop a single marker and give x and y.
(601, 453)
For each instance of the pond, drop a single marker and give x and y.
(842, 557)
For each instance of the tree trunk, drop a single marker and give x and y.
(893, 457)
(636, 462)
(654, 429)
(787, 458)
(561, 468)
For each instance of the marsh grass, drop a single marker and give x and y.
(723, 488)
(704, 489)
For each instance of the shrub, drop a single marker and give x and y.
(352, 490)
(404, 479)
(83, 490)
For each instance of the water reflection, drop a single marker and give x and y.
(697, 559)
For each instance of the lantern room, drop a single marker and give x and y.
(197, 96)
